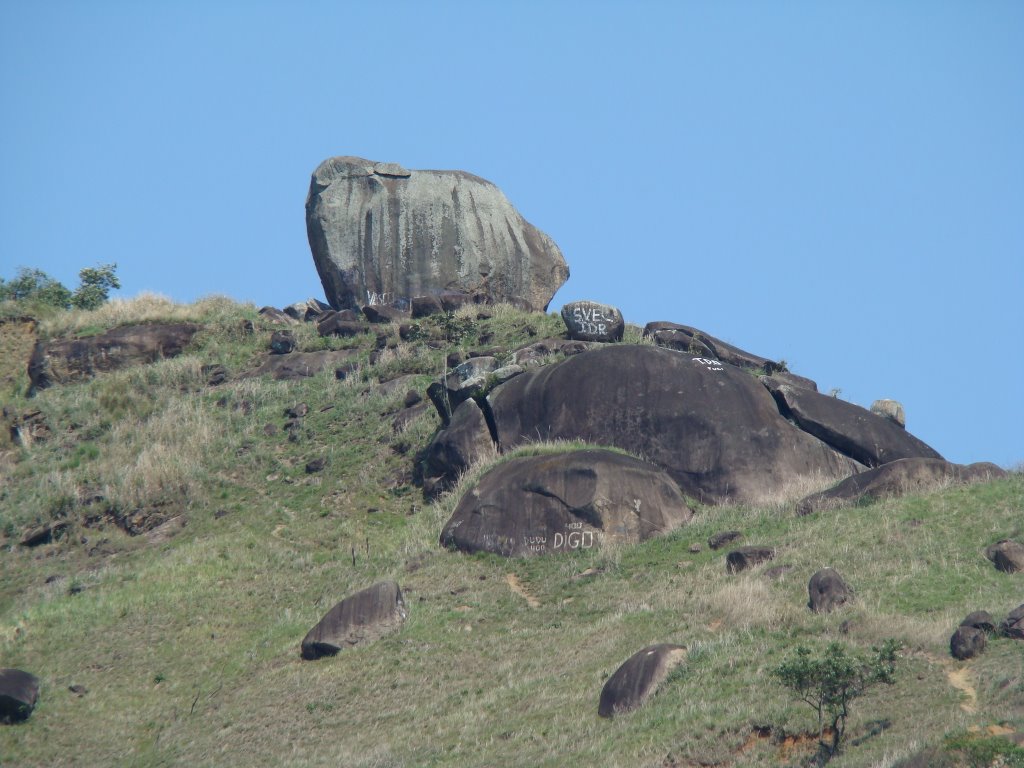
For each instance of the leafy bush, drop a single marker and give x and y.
(830, 682)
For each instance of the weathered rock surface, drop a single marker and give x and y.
(897, 478)
(360, 618)
(827, 590)
(556, 503)
(299, 365)
(694, 341)
(64, 361)
(443, 301)
(747, 557)
(395, 236)
(454, 450)
(335, 324)
(871, 439)
(307, 311)
(980, 620)
(282, 342)
(277, 316)
(591, 321)
(1006, 555)
(713, 427)
(892, 410)
(1013, 624)
(638, 677)
(19, 692)
(537, 352)
(966, 643)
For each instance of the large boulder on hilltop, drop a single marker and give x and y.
(871, 439)
(378, 231)
(556, 503)
(63, 361)
(711, 426)
(897, 478)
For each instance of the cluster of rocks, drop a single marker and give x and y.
(971, 637)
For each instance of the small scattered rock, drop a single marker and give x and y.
(19, 692)
(276, 316)
(282, 342)
(747, 557)
(719, 540)
(316, 465)
(966, 643)
(215, 374)
(270, 430)
(827, 590)
(78, 690)
(638, 677)
(382, 313)
(43, 534)
(695, 548)
(412, 397)
(297, 411)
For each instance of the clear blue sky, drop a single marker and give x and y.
(837, 184)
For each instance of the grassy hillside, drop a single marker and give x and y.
(187, 643)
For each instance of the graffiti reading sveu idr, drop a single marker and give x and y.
(590, 320)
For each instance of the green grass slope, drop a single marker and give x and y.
(187, 646)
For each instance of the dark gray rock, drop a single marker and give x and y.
(336, 325)
(693, 341)
(282, 342)
(639, 677)
(980, 620)
(390, 237)
(591, 321)
(966, 643)
(713, 427)
(897, 478)
(360, 618)
(452, 451)
(864, 436)
(747, 557)
(19, 692)
(382, 313)
(827, 590)
(1013, 624)
(443, 301)
(307, 311)
(561, 502)
(64, 361)
(1006, 555)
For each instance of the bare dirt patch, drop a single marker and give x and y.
(517, 586)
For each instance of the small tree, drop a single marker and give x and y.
(95, 285)
(830, 682)
(35, 285)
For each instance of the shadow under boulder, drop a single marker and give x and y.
(556, 503)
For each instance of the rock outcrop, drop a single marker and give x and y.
(871, 439)
(360, 618)
(1007, 555)
(64, 361)
(638, 677)
(382, 234)
(896, 478)
(711, 426)
(556, 503)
